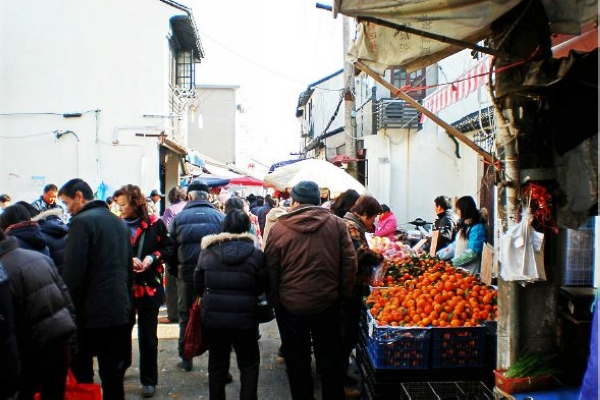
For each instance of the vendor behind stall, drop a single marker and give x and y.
(467, 248)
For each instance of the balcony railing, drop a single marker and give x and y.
(395, 113)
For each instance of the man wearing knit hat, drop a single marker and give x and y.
(312, 266)
(198, 218)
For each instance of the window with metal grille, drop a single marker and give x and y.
(184, 78)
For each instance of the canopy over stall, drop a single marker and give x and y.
(416, 33)
(246, 181)
(282, 164)
(324, 173)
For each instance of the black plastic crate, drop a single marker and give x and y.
(491, 344)
(463, 390)
(460, 347)
(377, 390)
(492, 327)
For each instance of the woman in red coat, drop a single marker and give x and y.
(387, 223)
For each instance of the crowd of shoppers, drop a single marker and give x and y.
(72, 293)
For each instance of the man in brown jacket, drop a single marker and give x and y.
(312, 265)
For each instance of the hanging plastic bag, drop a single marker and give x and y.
(378, 273)
(447, 253)
(522, 252)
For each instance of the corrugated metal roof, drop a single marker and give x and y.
(184, 27)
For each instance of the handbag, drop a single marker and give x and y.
(264, 311)
(194, 342)
(78, 391)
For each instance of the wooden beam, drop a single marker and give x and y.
(449, 128)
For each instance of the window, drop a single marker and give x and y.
(400, 79)
(184, 78)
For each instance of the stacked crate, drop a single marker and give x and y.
(389, 356)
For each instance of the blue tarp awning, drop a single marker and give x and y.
(212, 182)
(281, 164)
(194, 158)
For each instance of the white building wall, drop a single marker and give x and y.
(74, 56)
(217, 137)
(423, 165)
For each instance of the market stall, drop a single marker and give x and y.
(426, 320)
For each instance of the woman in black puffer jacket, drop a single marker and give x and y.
(44, 319)
(230, 274)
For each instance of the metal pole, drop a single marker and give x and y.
(349, 121)
(508, 334)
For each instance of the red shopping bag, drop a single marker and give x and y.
(81, 391)
(194, 342)
(78, 391)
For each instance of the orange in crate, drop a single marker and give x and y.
(520, 385)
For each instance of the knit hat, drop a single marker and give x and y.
(198, 184)
(306, 192)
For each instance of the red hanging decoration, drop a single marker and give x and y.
(540, 206)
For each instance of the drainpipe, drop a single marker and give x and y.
(349, 103)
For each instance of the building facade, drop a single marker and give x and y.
(99, 91)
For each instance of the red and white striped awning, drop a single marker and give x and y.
(470, 81)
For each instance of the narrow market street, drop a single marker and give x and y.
(174, 383)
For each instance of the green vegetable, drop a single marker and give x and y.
(532, 365)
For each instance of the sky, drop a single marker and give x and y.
(273, 50)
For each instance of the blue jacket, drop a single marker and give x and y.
(198, 218)
(55, 232)
(477, 236)
(471, 258)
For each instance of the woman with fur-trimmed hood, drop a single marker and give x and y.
(53, 229)
(16, 222)
(230, 274)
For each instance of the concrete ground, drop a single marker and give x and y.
(174, 383)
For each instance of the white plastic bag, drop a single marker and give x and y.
(447, 253)
(522, 252)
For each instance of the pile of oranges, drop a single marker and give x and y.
(434, 295)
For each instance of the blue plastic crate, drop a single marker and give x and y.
(460, 347)
(397, 347)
